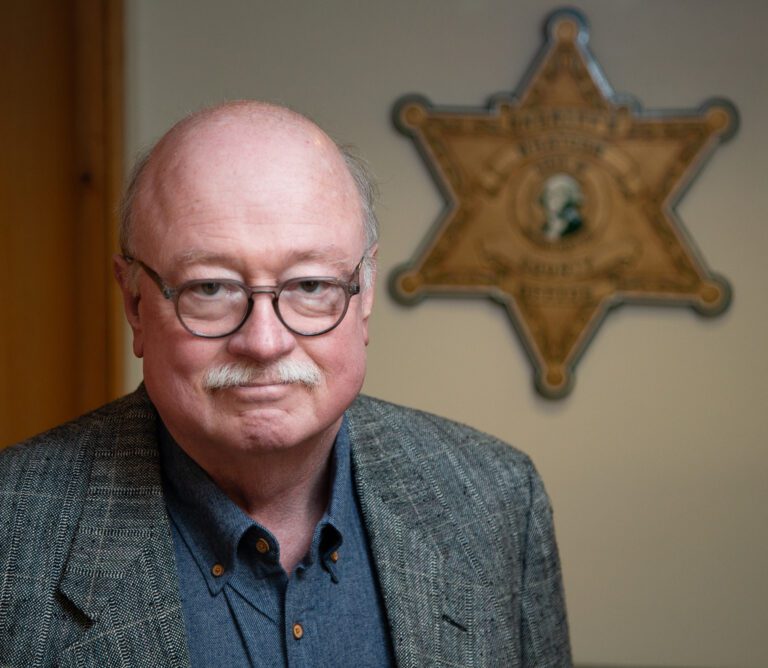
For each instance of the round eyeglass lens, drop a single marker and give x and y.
(212, 308)
(311, 306)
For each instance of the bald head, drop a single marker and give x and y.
(234, 143)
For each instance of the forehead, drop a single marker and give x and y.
(238, 187)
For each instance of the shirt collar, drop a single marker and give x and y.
(212, 525)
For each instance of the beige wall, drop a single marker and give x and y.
(657, 463)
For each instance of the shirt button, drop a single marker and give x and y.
(334, 556)
(262, 546)
(298, 631)
(217, 570)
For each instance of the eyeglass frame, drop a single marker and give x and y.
(351, 288)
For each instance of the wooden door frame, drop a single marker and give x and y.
(100, 154)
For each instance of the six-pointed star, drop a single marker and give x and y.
(561, 203)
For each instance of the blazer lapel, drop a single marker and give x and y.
(430, 591)
(120, 574)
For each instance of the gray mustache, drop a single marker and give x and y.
(281, 372)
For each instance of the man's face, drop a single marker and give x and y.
(260, 209)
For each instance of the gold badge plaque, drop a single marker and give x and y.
(561, 202)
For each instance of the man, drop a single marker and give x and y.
(245, 506)
(561, 200)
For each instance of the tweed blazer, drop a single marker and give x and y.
(459, 525)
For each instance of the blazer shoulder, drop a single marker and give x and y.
(455, 435)
(457, 452)
(58, 449)
(47, 480)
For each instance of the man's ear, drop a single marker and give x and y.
(131, 298)
(369, 289)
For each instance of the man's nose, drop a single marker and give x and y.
(262, 337)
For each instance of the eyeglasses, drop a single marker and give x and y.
(216, 307)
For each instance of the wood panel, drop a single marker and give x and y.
(60, 339)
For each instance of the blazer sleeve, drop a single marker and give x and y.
(545, 637)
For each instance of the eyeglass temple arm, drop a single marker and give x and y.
(168, 292)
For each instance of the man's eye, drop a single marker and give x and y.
(209, 289)
(310, 286)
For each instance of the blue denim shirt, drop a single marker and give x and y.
(241, 608)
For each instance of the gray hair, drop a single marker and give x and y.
(368, 192)
(358, 170)
(128, 201)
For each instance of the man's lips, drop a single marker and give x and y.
(261, 383)
(261, 389)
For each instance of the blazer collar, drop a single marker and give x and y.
(122, 548)
(429, 587)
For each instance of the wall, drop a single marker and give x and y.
(656, 464)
